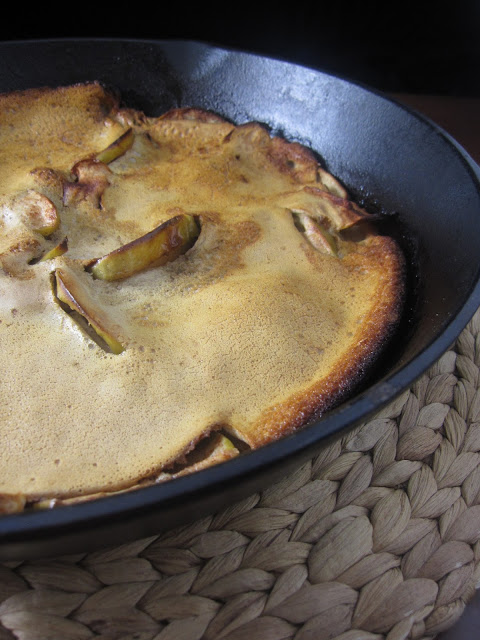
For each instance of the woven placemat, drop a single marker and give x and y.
(375, 538)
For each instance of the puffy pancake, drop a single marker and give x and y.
(265, 320)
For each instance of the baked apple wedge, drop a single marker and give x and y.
(73, 293)
(117, 148)
(39, 212)
(58, 250)
(319, 204)
(214, 449)
(11, 503)
(14, 260)
(90, 181)
(164, 244)
(316, 233)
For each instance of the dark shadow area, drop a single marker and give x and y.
(401, 47)
(467, 627)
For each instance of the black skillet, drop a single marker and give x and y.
(392, 160)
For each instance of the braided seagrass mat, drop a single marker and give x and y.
(376, 538)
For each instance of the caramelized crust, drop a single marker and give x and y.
(256, 316)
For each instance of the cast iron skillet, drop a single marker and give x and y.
(390, 159)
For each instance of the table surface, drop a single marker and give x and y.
(460, 117)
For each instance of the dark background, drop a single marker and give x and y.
(423, 47)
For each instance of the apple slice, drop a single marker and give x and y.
(57, 251)
(213, 449)
(164, 244)
(12, 503)
(73, 293)
(16, 259)
(52, 503)
(217, 449)
(319, 204)
(39, 213)
(117, 148)
(316, 233)
(91, 180)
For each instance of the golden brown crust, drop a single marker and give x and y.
(351, 367)
(255, 327)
